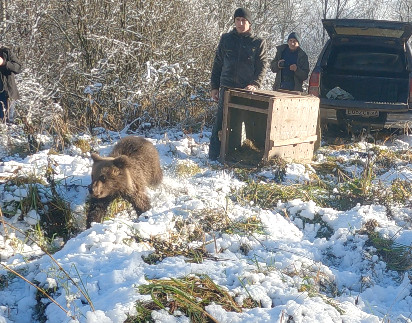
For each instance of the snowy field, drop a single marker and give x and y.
(289, 271)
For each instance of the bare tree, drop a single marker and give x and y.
(403, 10)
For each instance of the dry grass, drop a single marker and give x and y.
(187, 168)
(116, 206)
(327, 168)
(83, 145)
(56, 218)
(211, 221)
(164, 249)
(401, 191)
(247, 226)
(397, 256)
(189, 295)
(201, 227)
(267, 195)
(316, 283)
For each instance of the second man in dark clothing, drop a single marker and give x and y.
(290, 64)
(240, 62)
(9, 66)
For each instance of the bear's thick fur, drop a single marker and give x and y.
(131, 167)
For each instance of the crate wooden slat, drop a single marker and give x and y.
(261, 125)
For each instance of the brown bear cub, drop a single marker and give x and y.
(131, 167)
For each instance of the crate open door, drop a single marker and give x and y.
(258, 126)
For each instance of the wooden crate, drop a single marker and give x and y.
(257, 126)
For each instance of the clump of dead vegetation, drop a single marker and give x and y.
(41, 199)
(267, 195)
(83, 145)
(188, 296)
(164, 249)
(187, 168)
(397, 256)
(193, 234)
(315, 283)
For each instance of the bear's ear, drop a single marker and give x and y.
(121, 161)
(95, 157)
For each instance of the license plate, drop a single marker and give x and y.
(362, 113)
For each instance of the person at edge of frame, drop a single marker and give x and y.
(290, 64)
(240, 62)
(9, 66)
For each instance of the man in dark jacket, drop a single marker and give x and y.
(9, 65)
(290, 64)
(240, 62)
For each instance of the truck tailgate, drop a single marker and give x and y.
(362, 105)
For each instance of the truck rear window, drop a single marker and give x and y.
(361, 60)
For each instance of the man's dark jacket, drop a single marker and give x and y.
(7, 71)
(301, 73)
(240, 60)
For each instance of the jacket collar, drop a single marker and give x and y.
(246, 34)
(284, 46)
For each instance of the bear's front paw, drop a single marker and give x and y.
(97, 211)
(141, 204)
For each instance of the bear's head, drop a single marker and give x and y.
(109, 175)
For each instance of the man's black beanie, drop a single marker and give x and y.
(242, 12)
(294, 35)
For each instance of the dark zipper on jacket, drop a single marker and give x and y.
(238, 59)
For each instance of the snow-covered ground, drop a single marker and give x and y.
(293, 274)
